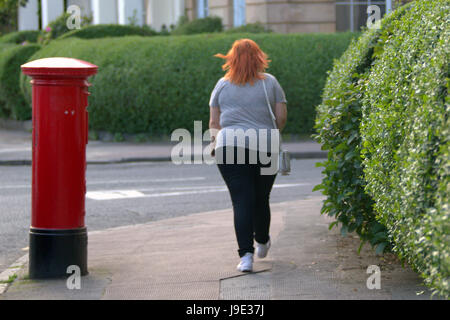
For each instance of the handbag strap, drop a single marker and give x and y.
(272, 115)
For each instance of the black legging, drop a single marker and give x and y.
(250, 192)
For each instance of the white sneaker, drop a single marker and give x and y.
(246, 264)
(262, 249)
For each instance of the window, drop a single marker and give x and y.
(351, 15)
(239, 13)
(202, 8)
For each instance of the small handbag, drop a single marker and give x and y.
(284, 158)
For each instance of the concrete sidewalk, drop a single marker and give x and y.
(15, 149)
(194, 257)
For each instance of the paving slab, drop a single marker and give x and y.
(194, 258)
(180, 258)
(311, 262)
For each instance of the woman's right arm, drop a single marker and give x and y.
(214, 125)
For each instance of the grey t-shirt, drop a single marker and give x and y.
(245, 107)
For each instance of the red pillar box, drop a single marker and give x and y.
(58, 236)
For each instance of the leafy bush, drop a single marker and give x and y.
(108, 30)
(405, 133)
(57, 28)
(385, 110)
(8, 14)
(337, 124)
(249, 28)
(12, 102)
(157, 84)
(204, 25)
(20, 37)
(6, 45)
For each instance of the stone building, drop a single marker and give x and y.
(288, 16)
(285, 16)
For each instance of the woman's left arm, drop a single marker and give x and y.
(281, 115)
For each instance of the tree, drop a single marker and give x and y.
(8, 14)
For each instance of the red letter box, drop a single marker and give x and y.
(58, 236)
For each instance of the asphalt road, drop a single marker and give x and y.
(126, 194)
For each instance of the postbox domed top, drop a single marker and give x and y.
(59, 67)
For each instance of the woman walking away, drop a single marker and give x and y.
(241, 127)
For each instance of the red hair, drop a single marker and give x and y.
(244, 62)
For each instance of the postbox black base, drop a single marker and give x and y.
(53, 251)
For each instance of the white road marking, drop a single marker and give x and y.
(181, 188)
(113, 195)
(177, 191)
(6, 150)
(149, 180)
(18, 186)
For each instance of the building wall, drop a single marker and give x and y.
(220, 8)
(163, 12)
(223, 9)
(284, 16)
(190, 9)
(28, 18)
(287, 16)
(104, 11)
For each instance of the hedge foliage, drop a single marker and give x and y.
(384, 120)
(204, 25)
(58, 28)
(12, 101)
(158, 84)
(338, 130)
(20, 36)
(337, 125)
(108, 30)
(405, 133)
(249, 28)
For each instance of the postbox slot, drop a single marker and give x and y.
(86, 103)
(87, 127)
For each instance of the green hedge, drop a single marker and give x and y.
(338, 130)
(20, 36)
(384, 120)
(12, 101)
(158, 84)
(204, 25)
(249, 28)
(337, 125)
(108, 30)
(58, 28)
(405, 134)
